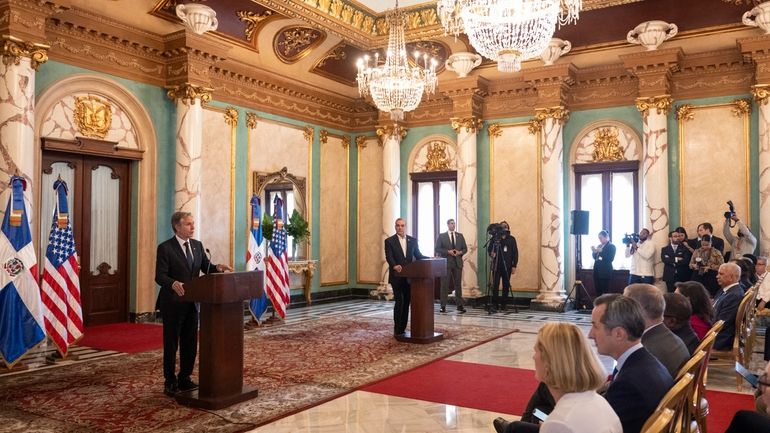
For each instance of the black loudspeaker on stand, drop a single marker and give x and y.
(578, 226)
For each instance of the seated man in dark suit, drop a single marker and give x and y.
(676, 317)
(640, 380)
(726, 303)
(400, 250)
(657, 339)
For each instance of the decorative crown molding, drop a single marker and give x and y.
(661, 103)
(188, 93)
(470, 124)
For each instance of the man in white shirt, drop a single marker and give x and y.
(744, 242)
(642, 255)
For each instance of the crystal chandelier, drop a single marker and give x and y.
(395, 85)
(507, 31)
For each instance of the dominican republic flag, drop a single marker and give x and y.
(21, 312)
(278, 263)
(60, 288)
(255, 255)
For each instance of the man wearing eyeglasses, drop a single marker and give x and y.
(749, 420)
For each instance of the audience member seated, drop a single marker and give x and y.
(640, 381)
(676, 317)
(745, 421)
(657, 339)
(726, 304)
(747, 273)
(702, 318)
(705, 263)
(565, 363)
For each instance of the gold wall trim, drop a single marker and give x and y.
(361, 143)
(347, 210)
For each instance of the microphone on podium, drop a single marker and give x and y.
(208, 267)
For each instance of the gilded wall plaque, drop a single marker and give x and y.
(438, 160)
(607, 145)
(93, 116)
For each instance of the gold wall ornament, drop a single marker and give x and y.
(558, 113)
(361, 141)
(684, 112)
(251, 120)
(661, 103)
(761, 93)
(293, 43)
(93, 116)
(438, 160)
(741, 107)
(337, 53)
(231, 116)
(494, 130)
(470, 124)
(323, 136)
(14, 49)
(253, 22)
(383, 132)
(535, 126)
(187, 93)
(607, 145)
(308, 134)
(345, 141)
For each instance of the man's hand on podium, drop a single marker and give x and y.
(397, 268)
(224, 268)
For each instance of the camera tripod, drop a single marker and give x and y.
(572, 297)
(493, 270)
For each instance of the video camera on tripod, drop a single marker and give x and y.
(496, 231)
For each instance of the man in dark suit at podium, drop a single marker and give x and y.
(180, 260)
(400, 250)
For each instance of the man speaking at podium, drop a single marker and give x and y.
(400, 250)
(180, 260)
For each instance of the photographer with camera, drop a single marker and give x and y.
(744, 242)
(603, 255)
(642, 255)
(705, 264)
(504, 254)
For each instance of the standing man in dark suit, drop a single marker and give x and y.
(603, 255)
(707, 229)
(180, 260)
(676, 261)
(504, 254)
(400, 250)
(726, 303)
(451, 246)
(639, 380)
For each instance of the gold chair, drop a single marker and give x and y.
(743, 343)
(677, 399)
(659, 422)
(700, 406)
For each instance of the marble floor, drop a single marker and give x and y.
(365, 412)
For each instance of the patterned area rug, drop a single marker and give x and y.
(293, 366)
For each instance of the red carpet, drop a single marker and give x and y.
(124, 337)
(507, 390)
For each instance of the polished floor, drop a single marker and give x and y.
(366, 412)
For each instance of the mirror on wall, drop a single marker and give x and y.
(292, 190)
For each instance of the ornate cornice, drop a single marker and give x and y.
(494, 130)
(395, 129)
(361, 141)
(188, 93)
(14, 49)
(323, 136)
(661, 103)
(251, 120)
(231, 116)
(470, 124)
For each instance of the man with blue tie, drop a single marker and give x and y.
(726, 303)
(400, 250)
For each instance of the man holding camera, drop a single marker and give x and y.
(642, 255)
(745, 242)
(505, 256)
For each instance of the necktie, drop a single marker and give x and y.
(614, 373)
(452, 235)
(188, 254)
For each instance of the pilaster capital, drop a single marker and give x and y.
(471, 124)
(231, 116)
(560, 114)
(361, 142)
(761, 93)
(187, 93)
(661, 103)
(323, 136)
(251, 120)
(14, 49)
(190, 57)
(494, 130)
(385, 131)
(653, 69)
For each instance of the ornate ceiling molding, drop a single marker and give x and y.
(293, 43)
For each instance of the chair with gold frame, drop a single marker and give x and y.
(659, 422)
(677, 399)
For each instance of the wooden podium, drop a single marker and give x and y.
(421, 275)
(220, 368)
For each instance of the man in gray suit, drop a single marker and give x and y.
(657, 338)
(451, 246)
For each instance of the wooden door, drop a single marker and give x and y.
(99, 212)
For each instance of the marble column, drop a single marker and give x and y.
(761, 94)
(189, 141)
(467, 224)
(17, 112)
(655, 172)
(548, 122)
(390, 137)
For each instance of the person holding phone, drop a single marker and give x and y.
(749, 420)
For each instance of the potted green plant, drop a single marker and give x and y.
(267, 229)
(297, 228)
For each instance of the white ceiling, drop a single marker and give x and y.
(383, 5)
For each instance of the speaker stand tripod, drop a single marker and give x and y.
(573, 297)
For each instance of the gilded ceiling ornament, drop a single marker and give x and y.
(345, 141)
(338, 53)
(187, 93)
(661, 103)
(308, 134)
(251, 120)
(383, 132)
(293, 43)
(361, 141)
(607, 145)
(323, 136)
(684, 112)
(93, 116)
(253, 22)
(494, 130)
(741, 107)
(231, 116)
(470, 124)
(14, 49)
(438, 160)
(761, 93)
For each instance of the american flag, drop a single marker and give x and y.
(60, 288)
(277, 263)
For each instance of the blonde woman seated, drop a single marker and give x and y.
(569, 368)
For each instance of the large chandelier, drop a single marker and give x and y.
(395, 85)
(507, 31)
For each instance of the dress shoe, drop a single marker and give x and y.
(170, 389)
(461, 310)
(500, 424)
(442, 310)
(187, 385)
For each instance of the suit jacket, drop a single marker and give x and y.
(716, 242)
(726, 308)
(673, 269)
(637, 389)
(171, 265)
(688, 337)
(667, 347)
(444, 244)
(394, 255)
(603, 261)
